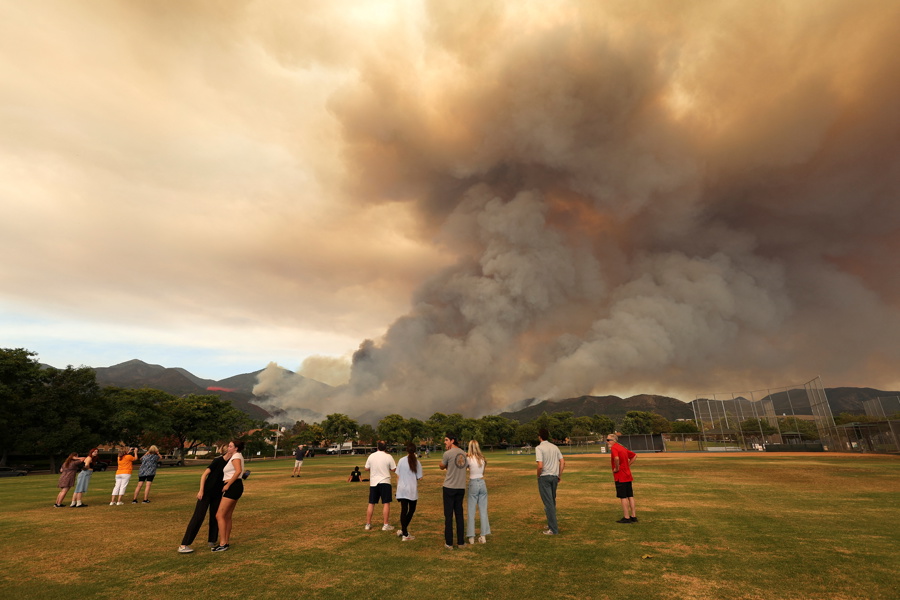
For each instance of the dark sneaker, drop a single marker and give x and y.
(134, 501)
(146, 502)
(624, 520)
(633, 519)
(221, 548)
(81, 506)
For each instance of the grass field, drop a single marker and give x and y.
(742, 526)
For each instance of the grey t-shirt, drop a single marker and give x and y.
(455, 459)
(550, 455)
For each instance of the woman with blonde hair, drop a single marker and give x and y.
(146, 473)
(478, 495)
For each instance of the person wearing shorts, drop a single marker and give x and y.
(299, 453)
(232, 490)
(146, 474)
(621, 459)
(380, 465)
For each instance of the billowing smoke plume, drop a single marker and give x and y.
(652, 197)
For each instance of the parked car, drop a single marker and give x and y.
(10, 472)
(171, 461)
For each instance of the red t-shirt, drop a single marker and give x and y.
(624, 455)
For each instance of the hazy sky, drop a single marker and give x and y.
(486, 201)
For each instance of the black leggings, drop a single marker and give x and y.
(453, 506)
(407, 510)
(209, 502)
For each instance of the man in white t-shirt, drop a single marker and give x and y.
(380, 465)
(550, 467)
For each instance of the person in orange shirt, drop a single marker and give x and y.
(123, 475)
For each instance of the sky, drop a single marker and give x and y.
(455, 206)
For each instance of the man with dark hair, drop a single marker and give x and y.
(299, 453)
(454, 462)
(380, 465)
(621, 459)
(550, 467)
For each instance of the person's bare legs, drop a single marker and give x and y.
(147, 491)
(137, 490)
(61, 497)
(223, 517)
(386, 512)
(369, 511)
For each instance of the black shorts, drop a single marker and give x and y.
(623, 489)
(235, 491)
(146, 477)
(382, 492)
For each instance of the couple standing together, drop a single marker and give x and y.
(409, 471)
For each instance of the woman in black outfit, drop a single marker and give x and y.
(208, 499)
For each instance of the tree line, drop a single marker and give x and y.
(52, 412)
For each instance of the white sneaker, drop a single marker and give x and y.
(448, 547)
(387, 527)
(368, 526)
(482, 539)
(471, 540)
(399, 533)
(119, 503)
(407, 538)
(185, 549)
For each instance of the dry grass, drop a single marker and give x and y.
(729, 526)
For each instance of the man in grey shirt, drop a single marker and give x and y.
(454, 462)
(550, 466)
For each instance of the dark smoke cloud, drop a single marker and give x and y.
(650, 197)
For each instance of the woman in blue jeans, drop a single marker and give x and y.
(478, 495)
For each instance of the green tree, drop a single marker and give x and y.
(659, 424)
(20, 379)
(339, 428)
(526, 433)
(793, 426)
(137, 413)
(582, 426)
(685, 427)
(367, 435)
(394, 429)
(637, 422)
(757, 427)
(497, 430)
(845, 418)
(602, 424)
(68, 414)
(203, 419)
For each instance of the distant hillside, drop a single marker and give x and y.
(136, 374)
(843, 399)
(612, 406)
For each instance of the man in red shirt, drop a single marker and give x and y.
(621, 458)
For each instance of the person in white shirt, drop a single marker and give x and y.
(478, 495)
(409, 472)
(232, 490)
(380, 465)
(550, 467)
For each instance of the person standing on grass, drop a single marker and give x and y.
(409, 472)
(84, 478)
(232, 490)
(146, 473)
(478, 495)
(123, 475)
(208, 499)
(67, 474)
(550, 467)
(380, 465)
(299, 453)
(454, 462)
(621, 459)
